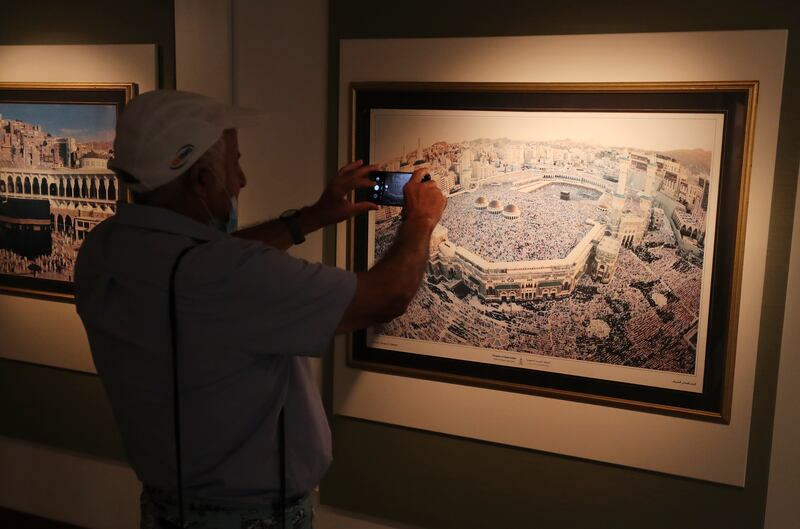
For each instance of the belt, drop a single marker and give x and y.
(193, 504)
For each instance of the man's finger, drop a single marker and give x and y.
(351, 166)
(417, 175)
(362, 182)
(362, 172)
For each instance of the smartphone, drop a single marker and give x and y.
(388, 188)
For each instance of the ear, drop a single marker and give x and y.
(199, 180)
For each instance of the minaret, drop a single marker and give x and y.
(704, 200)
(650, 180)
(619, 195)
(646, 198)
(622, 183)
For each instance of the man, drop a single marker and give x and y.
(246, 316)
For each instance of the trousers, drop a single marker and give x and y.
(159, 510)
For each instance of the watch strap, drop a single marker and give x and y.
(291, 218)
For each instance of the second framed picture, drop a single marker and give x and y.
(592, 243)
(55, 185)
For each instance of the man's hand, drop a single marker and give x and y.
(334, 205)
(423, 199)
(384, 291)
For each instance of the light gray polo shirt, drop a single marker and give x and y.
(247, 316)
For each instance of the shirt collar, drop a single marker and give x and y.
(166, 220)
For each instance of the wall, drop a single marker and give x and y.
(784, 474)
(55, 22)
(282, 72)
(452, 482)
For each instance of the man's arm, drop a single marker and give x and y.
(275, 233)
(384, 292)
(332, 207)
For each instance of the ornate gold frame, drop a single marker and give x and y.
(749, 87)
(127, 90)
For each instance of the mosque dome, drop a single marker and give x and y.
(511, 211)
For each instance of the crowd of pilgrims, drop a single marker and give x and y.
(547, 228)
(58, 264)
(644, 331)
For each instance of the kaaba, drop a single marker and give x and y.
(25, 227)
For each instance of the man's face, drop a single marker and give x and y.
(232, 176)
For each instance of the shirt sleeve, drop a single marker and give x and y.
(261, 300)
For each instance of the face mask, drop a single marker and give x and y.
(233, 218)
(233, 215)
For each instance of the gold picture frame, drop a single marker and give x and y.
(54, 136)
(733, 103)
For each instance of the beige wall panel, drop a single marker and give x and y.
(74, 488)
(280, 68)
(48, 332)
(203, 45)
(678, 446)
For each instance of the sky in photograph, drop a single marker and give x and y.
(391, 129)
(83, 122)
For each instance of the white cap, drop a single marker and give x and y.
(160, 134)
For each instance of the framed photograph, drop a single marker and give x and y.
(591, 248)
(55, 185)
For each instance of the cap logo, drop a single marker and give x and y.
(181, 156)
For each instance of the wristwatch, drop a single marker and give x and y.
(291, 217)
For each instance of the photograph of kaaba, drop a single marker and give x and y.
(571, 242)
(55, 186)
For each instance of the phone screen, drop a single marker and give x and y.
(388, 188)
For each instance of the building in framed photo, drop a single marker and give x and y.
(55, 185)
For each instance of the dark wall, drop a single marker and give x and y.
(37, 403)
(94, 22)
(438, 481)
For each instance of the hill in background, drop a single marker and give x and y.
(696, 160)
